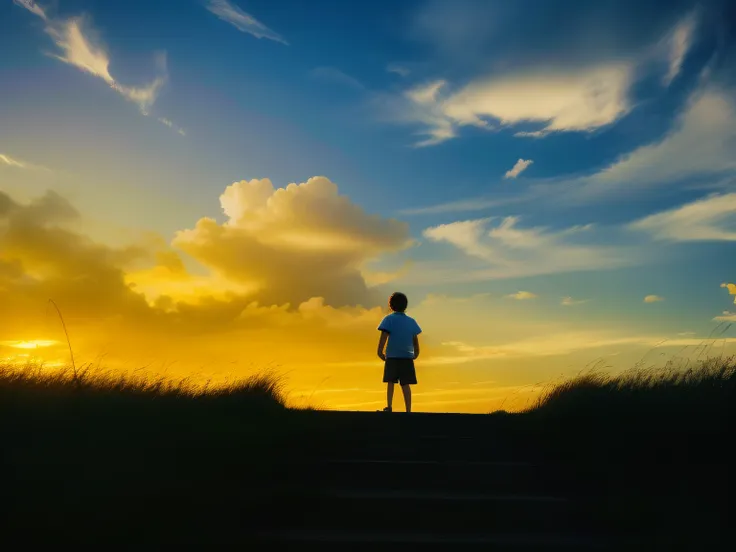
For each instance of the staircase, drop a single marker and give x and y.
(383, 481)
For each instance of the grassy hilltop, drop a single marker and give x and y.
(98, 457)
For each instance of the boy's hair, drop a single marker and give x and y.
(398, 302)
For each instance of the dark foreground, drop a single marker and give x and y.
(594, 468)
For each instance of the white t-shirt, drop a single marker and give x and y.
(401, 329)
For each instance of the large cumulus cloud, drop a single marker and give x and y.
(286, 264)
(42, 258)
(293, 243)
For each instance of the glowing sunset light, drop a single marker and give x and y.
(32, 344)
(536, 219)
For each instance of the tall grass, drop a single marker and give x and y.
(650, 448)
(705, 389)
(34, 382)
(97, 455)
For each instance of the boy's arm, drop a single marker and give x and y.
(382, 344)
(416, 346)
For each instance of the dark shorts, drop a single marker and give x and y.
(399, 370)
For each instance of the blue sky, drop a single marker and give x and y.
(568, 148)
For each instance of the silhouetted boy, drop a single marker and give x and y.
(401, 332)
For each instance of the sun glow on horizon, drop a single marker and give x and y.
(31, 344)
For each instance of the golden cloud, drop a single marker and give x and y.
(41, 258)
(286, 267)
(294, 243)
(731, 289)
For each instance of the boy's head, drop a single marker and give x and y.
(398, 302)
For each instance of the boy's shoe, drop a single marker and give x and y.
(387, 409)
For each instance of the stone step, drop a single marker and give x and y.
(435, 447)
(516, 477)
(398, 423)
(421, 510)
(359, 541)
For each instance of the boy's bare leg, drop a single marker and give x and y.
(390, 394)
(406, 389)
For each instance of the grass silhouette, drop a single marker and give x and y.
(33, 382)
(650, 448)
(705, 389)
(96, 455)
(102, 457)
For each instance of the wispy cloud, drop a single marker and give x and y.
(708, 219)
(334, 75)
(32, 7)
(8, 161)
(559, 89)
(678, 44)
(653, 299)
(560, 100)
(398, 69)
(76, 46)
(702, 142)
(547, 345)
(522, 295)
(558, 344)
(78, 49)
(726, 316)
(244, 22)
(448, 300)
(171, 125)
(569, 301)
(460, 206)
(508, 250)
(520, 166)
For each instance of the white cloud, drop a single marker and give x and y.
(398, 69)
(77, 48)
(653, 299)
(507, 250)
(435, 298)
(520, 166)
(467, 235)
(418, 105)
(462, 205)
(678, 44)
(561, 100)
(531, 134)
(699, 341)
(702, 142)
(331, 74)
(546, 345)
(424, 107)
(171, 125)
(707, 219)
(9, 161)
(425, 94)
(242, 21)
(522, 295)
(32, 7)
(569, 301)
(560, 343)
(726, 316)
(569, 100)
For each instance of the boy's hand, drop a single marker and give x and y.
(382, 356)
